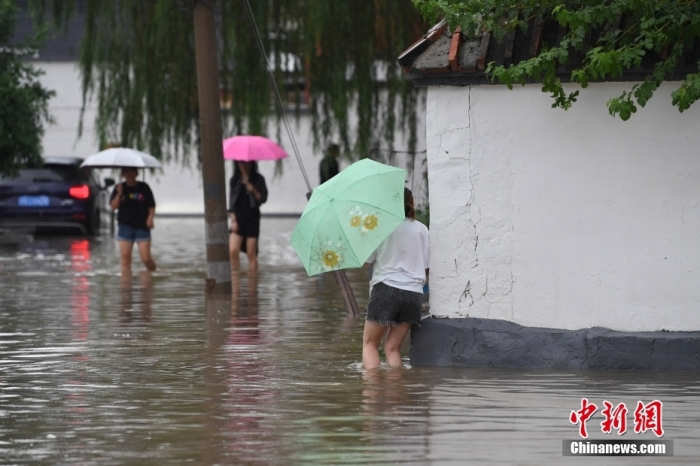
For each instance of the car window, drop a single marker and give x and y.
(49, 174)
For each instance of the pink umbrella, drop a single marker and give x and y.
(252, 148)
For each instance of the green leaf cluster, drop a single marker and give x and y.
(611, 36)
(23, 101)
(335, 60)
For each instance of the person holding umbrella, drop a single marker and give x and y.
(400, 269)
(136, 208)
(365, 214)
(132, 199)
(247, 192)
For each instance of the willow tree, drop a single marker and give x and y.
(338, 57)
(613, 36)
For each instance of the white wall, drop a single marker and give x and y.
(177, 188)
(564, 219)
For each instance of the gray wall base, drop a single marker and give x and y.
(491, 342)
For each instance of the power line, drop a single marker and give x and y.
(261, 46)
(252, 24)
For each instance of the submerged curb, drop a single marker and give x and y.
(492, 342)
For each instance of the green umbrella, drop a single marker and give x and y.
(348, 217)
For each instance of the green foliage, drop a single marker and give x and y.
(423, 215)
(137, 60)
(658, 30)
(23, 101)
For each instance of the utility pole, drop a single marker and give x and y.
(215, 217)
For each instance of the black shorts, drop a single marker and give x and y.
(390, 306)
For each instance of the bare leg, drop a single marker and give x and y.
(252, 251)
(234, 249)
(371, 339)
(125, 248)
(145, 253)
(392, 344)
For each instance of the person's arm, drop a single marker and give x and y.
(251, 190)
(151, 215)
(426, 254)
(234, 224)
(151, 207)
(116, 197)
(258, 190)
(262, 188)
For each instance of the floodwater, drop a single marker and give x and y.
(101, 369)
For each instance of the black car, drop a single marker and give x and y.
(60, 194)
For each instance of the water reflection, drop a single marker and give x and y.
(136, 299)
(250, 396)
(237, 346)
(98, 368)
(80, 293)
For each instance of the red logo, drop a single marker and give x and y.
(614, 418)
(646, 417)
(582, 415)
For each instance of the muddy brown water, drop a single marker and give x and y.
(98, 368)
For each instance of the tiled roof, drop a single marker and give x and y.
(443, 57)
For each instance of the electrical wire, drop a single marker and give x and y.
(252, 24)
(278, 97)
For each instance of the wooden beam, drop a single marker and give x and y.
(483, 50)
(536, 37)
(508, 42)
(453, 57)
(436, 31)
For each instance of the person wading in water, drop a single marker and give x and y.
(136, 209)
(400, 270)
(247, 192)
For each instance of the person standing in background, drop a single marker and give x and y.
(329, 163)
(136, 208)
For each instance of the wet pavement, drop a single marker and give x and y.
(98, 368)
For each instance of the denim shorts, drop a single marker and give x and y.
(390, 306)
(127, 233)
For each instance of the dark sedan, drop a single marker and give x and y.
(60, 194)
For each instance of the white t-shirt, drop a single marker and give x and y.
(400, 261)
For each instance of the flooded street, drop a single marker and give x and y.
(98, 368)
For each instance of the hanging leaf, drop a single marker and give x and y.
(335, 60)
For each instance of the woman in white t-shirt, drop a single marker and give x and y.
(400, 271)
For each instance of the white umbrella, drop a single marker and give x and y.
(121, 157)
